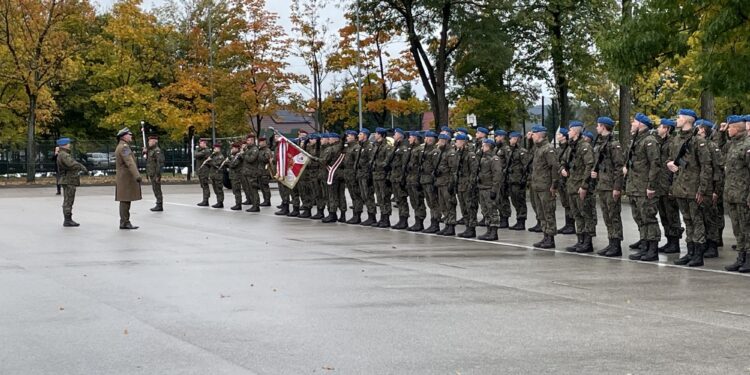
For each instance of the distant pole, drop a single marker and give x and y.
(211, 71)
(359, 72)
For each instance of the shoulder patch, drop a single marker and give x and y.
(126, 151)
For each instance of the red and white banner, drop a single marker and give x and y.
(291, 161)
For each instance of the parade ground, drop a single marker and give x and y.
(212, 291)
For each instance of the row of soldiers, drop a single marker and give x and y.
(685, 167)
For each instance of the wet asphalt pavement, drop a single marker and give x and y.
(206, 291)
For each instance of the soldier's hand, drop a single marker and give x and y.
(564, 173)
(672, 167)
(650, 193)
(723, 126)
(582, 193)
(553, 191)
(715, 199)
(699, 198)
(594, 175)
(616, 194)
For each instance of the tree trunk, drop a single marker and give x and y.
(30, 141)
(625, 95)
(707, 105)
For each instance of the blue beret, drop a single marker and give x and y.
(314, 136)
(705, 123)
(746, 117)
(445, 128)
(351, 132)
(462, 137)
(588, 134)
(538, 129)
(575, 124)
(444, 136)
(668, 122)
(489, 142)
(564, 131)
(334, 135)
(688, 112)
(398, 130)
(735, 119)
(640, 117)
(365, 131)
(606, 121)
(430, 134)
(381, 131)
(63, 141)
(515, 134)
(462, 130)
(483, 130)
(500, 132)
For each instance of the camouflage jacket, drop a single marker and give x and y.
(737, 171)
(69, 170)
(154, 161)
(645, 169)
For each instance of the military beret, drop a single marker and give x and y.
(538, 129)
(514, 134)
(489, 142)
(483, 130)
(575, 124)
(314, 136)
(462, 137)
(733, 119)
(705, 123)
(303, 131)
(606, 121)
(351, 132)
(204, 140)
(63, 141)
(124, 131)
(462, 130)
(262, 139)
(643, 119)
(334, 135)
(381, 131)
(365, 131)
(153, 137)
(419, 134)
(564, 131)
(445, 128)
(236, 145)
(668, 122)
(217, 145)
(588, 134)
(500, 132)
(444, 136)
(251, 135)
(398, 130)
(688, 112)
(431, 134)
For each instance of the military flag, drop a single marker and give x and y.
(291, 161)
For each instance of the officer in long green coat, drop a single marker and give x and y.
(69, 172)
(737, 173)
(128, 181)
(545, 180)
(250, 172)
(154, 166)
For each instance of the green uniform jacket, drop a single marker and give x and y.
(428, 158)
(250, 161)
(201, 154)
(490, 172)
(154, 161)
(519, 159)
(381, 155)
(610, 169)
(717, 165)
(580, 167)
(467, 168)
(364, 160)
(666, 145)
(413, 174)
(545, 167)
(737, 170)
(645, 169)
(215, 166)
(127, 188)
(313, 168)
(697, 174)
(69, 169)
(400, 152)
(234, 166)
(265, 158)
(446, 165)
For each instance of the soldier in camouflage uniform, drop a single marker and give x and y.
(321, 179)
(284, 192)
(711, 215)
(250, 173)
(336, 190)
(379, 166)
(265, 158)
(544, 184)
(489, 182)
(364, 176)
(537, 228)
(429, 157)
(69, 177)
(446, 166)
(642, 171)
(413, 172)
(607, 183)
(398, 160)
(308, 183)
(669, 211)
(579, 162)
(691, 163)
(154, 165)
(353, 153)
(202, 153)
(735, 190)
(465, 182)
(515, 177)
(562, 141)
(503, 203)
(215, 165)
(479, 137)
(295, 194)
(234, 166)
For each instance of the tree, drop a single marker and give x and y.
(39, 44)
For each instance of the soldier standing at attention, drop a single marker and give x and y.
(736, 192)
(544, 183)
(234, 166)
(503, 199)
(284, 192)
(216, 164)
(321, 179)
(128, 181)
(364, 176)
(154, 165)
(380, 166)
(446, 166)
(537, 228)
(250, 172)
(669, 211)
(579, 163)
(465, 181)
(412, 169)
(642, 171)
(712, 218)
(265, 154)
(562, 141)
(516, 175)
(691, 163)
(336, 189)
(398, 160)
(202, 152)
(428, 159)
(607, 181)
(489, 183)
(308, 184)
(69, 172)
(479, 137)
(353, 153)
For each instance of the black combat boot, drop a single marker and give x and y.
(157, 208)
(253, 209)
(318, 214)
(686, 258)
(548, 243)
(418, 225)
(403, 223)
(342, 217)
(615, 249)
(503, 223)
(569, 227)
(203, 203)
(587, 246)
(279, 206)
(266, 203)
(461, 221)
(247, 203)
(294, 213)
(218, 205)
(573, 248)
(652, 253)
(697, 259)
(712, 249)
(433, 228)
(331, 218)
(745, 267)
(237, 205)
(370, 220)
(603, 251)
(68, 222)
(356, 219)
(734, 267)
(305, 213)
(385, 221)
(470, 232)
(283, 210)
(672, 246)
(536, 228)
(519, 225)
(490, 235)
(482, 223)
(636, 245)
(537, 244)
(129, 226)
(449, 230)
(640, 251)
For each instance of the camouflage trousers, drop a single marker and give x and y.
(402, 198)
(612, 214)
(739, 216)
(383, 196)
(714, 220)
(265, 187)
(205, 182)
(447, 202)
(562, 191)
(503, 204)
(694, 216)
(284, 193)
(69, 197)
(518, 198)
(669, 214)
(322, 200)
(237, 189)
(250, 185)
(431, 199)
(337, 195)
(352, 185)
(545, 205)
(366, 194)
(489, 208)
(156, 187)
(469, 206)
(218, 185)
(416, 198)
(584, 213)
(644, 213)
(294, 197)
(308, 192)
